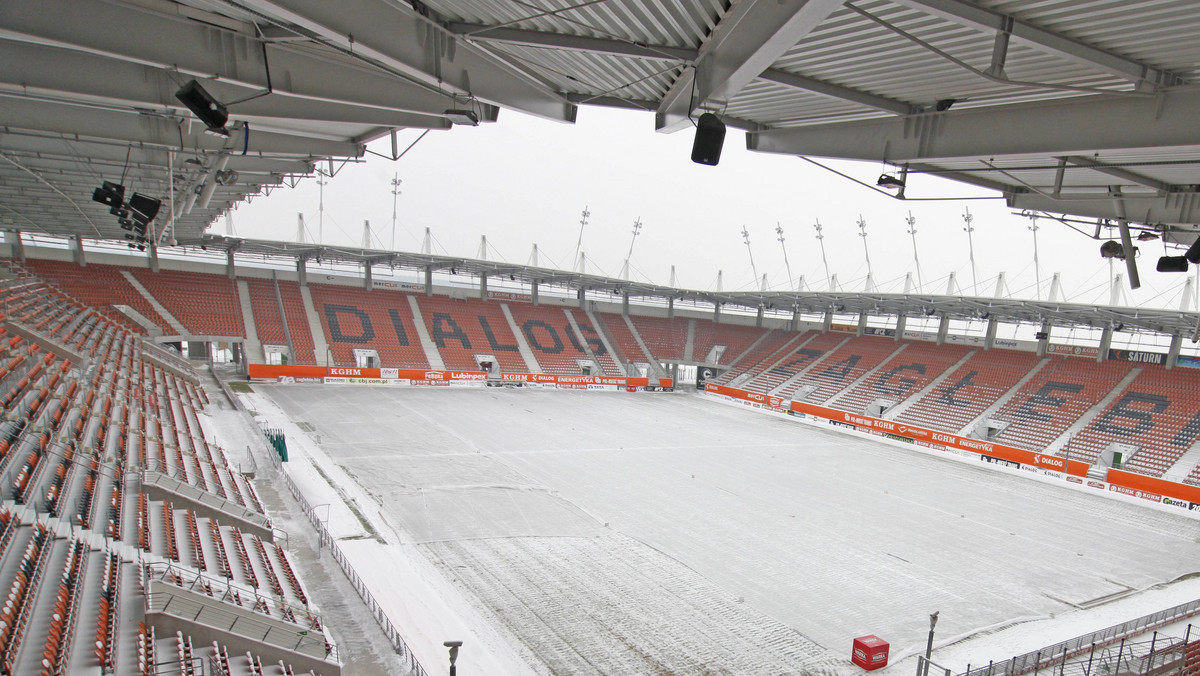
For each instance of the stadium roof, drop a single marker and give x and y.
(1130, 319)
(1083, 107)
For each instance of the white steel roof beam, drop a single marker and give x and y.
(396, 37)
(155, 130)
(1118, 172)
(64, 75)
(749, 39)
(1046, 41)
(583, 43)
(1069, 126)
(204, 51)
(1181, 208)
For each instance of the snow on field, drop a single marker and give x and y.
(607, 533)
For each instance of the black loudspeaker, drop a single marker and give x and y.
(203, 105)
(144, 208)
(1173, 264)
(710, 137)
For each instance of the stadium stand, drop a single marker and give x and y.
(842, 367)
(98, 286)
(734, 338)
(463, 328)
(667, 338)
(763, 354)
(206, 304)
(70, 532)
(1159, 413)
(608, 360)
(805, 355)
(901, 376)
(1057, 397)
(619, 331)
(378, 319)
(552, 339)
(967, 391)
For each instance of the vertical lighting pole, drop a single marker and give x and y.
(321, 206)
(968, 218)
(746, 239)
(395, 193)
(862, 232)
(929, 646)
(637, 227)
(582, 224)
(453, 646)
(824, 260)
(1037, 270)
(912, 230)
(779, 232)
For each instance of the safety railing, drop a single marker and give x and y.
(1060, 653)
(328, 541)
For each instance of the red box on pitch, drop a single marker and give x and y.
(870, 652)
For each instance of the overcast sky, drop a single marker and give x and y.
(525, 180)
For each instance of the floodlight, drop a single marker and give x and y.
(466, 118)
(890, 182)
(111, 194)
(144, 208)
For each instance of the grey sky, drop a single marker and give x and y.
(524, 180)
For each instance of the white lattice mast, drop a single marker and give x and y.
(825, 261)
(912, 231)
(637, 228)
(300, 228)
(746, 239)
(1037, 269)
(862, 232)
(968, 219)
(395, 194)
(321, 206)
(583, 221)
(366, 240)
(788, 265)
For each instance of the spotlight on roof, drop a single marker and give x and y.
(1113, 249)
(466, 118)
(944, 104)
(109, 194)
(204, 106)
(1147, 237)
(226, 177)
(889, 182)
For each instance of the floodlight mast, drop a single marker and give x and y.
(968, 218)
(395, 193)
(746, 239)
(583, 221)
(779, 232)
(862, 232)
(637, 227)
(824, 260)
(1037, 270)
(912, 230)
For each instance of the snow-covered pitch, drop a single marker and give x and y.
(617, 533)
